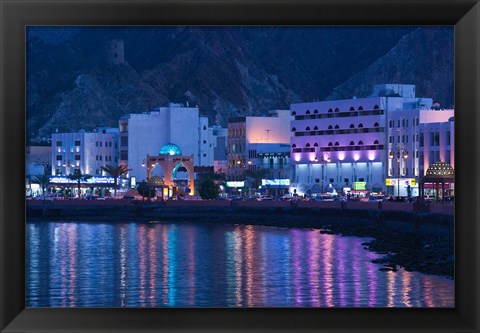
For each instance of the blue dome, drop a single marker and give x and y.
(170, 149)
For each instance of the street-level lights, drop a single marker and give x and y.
(402, 154)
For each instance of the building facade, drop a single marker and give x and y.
(362, 144)
(87, 151)
(246, 134)
(144, 134)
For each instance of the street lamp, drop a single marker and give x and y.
(325, 159)
(402, 154)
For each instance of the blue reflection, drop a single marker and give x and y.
(211, 265)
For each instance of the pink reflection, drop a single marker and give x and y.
(406, 287)
(313, 268)
(141, 240)
(296, 259)
(165, 264)
(327, 264)
(152, 252)
(238, 245)
(249, 258)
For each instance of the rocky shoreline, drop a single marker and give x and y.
(415, 241)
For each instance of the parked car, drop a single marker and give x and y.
(375, 198)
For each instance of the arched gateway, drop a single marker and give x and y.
(169, 158)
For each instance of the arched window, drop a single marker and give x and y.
(352, 108)
(360, 142)
(360, 125)
(337, 110)
(352, 126)
(352, 143)
(375, 125)
(294, 146)
(294, 113)
(315, 128)
(315, 111)
(307, 145)
(308, 112)
(337, 127)
(330, 144)
(336, 143)
(307, 128)
(293, 129)
(315, 144)
(360, 108)
(375, 142)
(330, 127)
(375, 107)
(330, 110)
(204, 127)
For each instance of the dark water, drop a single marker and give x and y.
(183, 265)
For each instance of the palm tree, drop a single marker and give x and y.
(116, 172)
(79, 178)
(43, 181)
(257, 176)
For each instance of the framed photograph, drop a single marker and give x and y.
(239, 166)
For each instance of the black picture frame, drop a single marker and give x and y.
(15, 15)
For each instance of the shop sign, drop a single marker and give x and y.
(93, 180)
(359, 186)
(276, 182)
(235, 184)
(403, 182)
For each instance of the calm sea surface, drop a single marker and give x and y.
(75, 264)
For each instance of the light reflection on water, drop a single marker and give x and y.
(184, 265)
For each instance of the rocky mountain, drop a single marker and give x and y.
(424, 57)
(226, 71)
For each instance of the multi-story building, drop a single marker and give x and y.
(145, 133)
(360, 143)
(247, 133)
(38, 162)
(274, 158)
(87, 151)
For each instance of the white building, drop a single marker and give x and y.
(144, 134)
(87, 151)
(355, 143)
